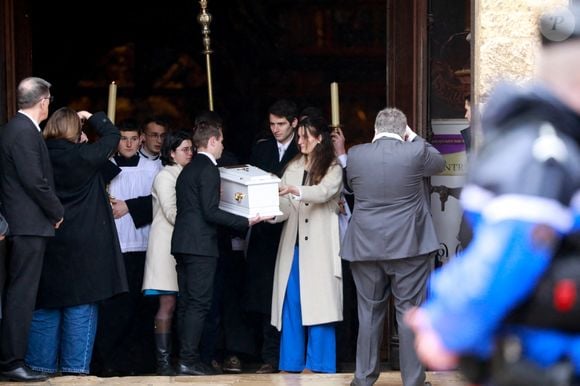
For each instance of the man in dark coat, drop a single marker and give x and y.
(33, 211)
(270, 155)
(194, 243)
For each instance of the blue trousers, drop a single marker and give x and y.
(310, 347)
(61, 339)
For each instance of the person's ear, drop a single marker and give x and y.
(294, 123)
(211, 141)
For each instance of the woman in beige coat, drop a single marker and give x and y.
(160, 277)
(307, 295)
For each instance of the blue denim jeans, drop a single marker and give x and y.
(62, 339)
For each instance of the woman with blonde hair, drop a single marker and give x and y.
(82, 263)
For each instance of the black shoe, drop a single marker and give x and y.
(232, 364)
(165, 370)
(24, 374)
(217, 368)
(198, 368)
(65, 373)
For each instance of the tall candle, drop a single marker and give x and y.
(112, 101)
(334, 105)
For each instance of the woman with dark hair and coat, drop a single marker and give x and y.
(160, 277)
(307, 294)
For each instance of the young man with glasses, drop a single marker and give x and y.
(154, 130)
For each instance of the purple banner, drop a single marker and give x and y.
(448, 143)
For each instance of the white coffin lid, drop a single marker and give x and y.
(247, 175)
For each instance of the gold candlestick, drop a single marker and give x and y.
(112, 101)
(334, 105)
(204, 19)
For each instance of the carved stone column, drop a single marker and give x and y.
(505, 42)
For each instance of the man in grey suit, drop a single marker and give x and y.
(390, 238)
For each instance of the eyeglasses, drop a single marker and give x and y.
(185, 149)
(50, 98)
(156, 135)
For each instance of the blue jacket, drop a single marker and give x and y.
(522, 199)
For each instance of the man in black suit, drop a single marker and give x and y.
(33, 211)
(194, 242)
(270, 155)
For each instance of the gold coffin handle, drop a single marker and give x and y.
(239, 196)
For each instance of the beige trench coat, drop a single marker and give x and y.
(315, 217)
(160, 273)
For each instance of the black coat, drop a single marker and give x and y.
(264, 237)
(30, 204)
(83, 262)
(198, 215)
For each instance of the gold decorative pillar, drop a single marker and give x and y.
(204, 19)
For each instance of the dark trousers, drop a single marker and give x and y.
(125, 342)
(270, 342)
(195, 277)
(237, 330)
(23, 268)
(227, 330)
(212, 335)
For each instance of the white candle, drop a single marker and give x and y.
(334, 105)
(112, 101)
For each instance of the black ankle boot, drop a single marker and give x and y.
(163, 353)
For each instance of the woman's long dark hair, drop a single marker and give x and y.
(171, 142)
(322, 156)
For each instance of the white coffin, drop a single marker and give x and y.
(248, 191)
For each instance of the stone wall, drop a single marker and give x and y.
(505, 41)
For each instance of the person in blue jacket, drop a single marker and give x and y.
(504, 304)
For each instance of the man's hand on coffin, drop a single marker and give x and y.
(258, 218)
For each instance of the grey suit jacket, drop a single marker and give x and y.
(391, 217)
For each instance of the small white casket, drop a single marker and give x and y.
(248, 191)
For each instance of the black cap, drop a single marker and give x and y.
(560, 25)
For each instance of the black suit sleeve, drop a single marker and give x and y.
(109, 171)
(141, 210)
(30, 173)
(209, 197)
(347, 187)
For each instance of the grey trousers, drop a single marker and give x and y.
(406, 280)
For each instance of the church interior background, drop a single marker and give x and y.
(263, 51)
